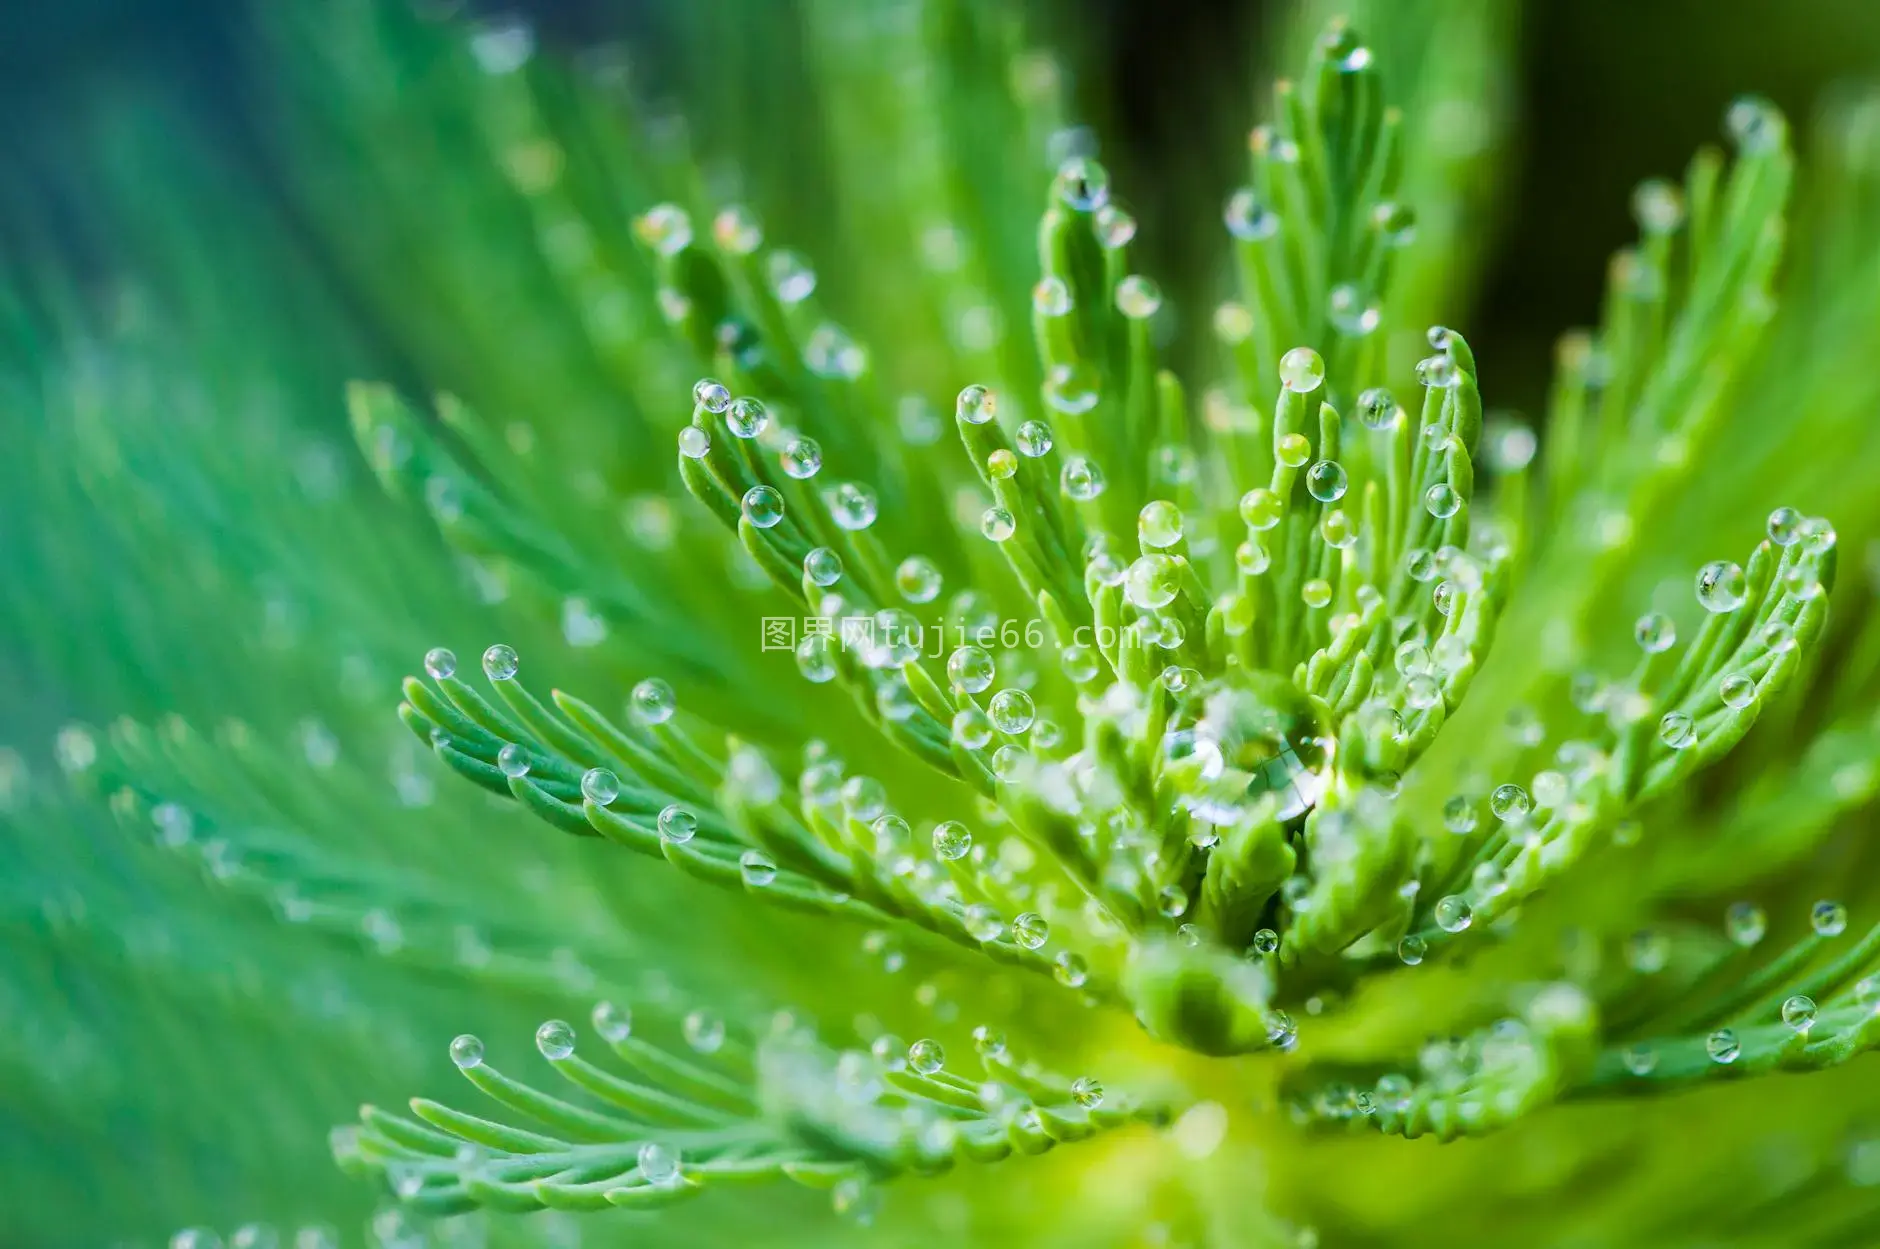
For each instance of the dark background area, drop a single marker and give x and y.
(1611, 91)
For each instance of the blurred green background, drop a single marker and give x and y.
(1606, 93)
(1609, 92)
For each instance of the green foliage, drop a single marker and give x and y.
(1286, 764)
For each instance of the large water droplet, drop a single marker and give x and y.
(1828, 919)
(652, 701)
(1082, 184)
(658, 1165)
(1152, 582)
(466, 1051)
(1721, 586)
(952, 840)
(801, 458)
(1510, 802)
(555, 1039)
(1677, 730)
(676, 824)
(500, 662)
(926, 1056)
(1137, 297)
(762, 506)
(1302, 369)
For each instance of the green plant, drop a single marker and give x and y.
(1304, 761)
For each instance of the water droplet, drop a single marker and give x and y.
(757, 868)
(198, 1237)
(513, 760)
(951, 840)
(466, 1051)
(704, 1032)
(1351, 313)
(1640, 1060)
(1159, 524)
(1798, 1012)
(735, 229)
(1247, 218)
(1261, 509)
(853, 506)
(1677, 730)
(918, 579)
(611, 1023)
(1172, 901)
(801, 458)
(762, 506)
(1647, 951)
(1453, 913)
(1442, 501)
(747, 418)
(500, 663)
(1292, 450)
(1073, 388)
(1012, 711)
(1083, 184)
(1316, 592)
(1137, 297)
(1081, 480)
(694, 442)
(1265, 942)
(555, 1039)
(1421, 692)
(653, 702)
(1411, 949)
(1115, 228)
(1721, 586)
(1459, 815)
(711, 395)
(926, 1056)
(1033, 439)
(1722, 1046)
(1737, 690)
(659, 1165)
(440, 663)
(1785, 526)
(1745, 923)
(1326, 481)
(998, 524)
(1377, 409)
(971, 669)
(1087, 1092)
(1151, 582)
(822, 566)
(1655, 632)
(665, 228)
(1754, 125)
(1510, 802)
(971, 728)
(1070, 969)
(1302, 369)
(982, 922)
(1437, 372)
(791, 278)
(1051, 297)
(976, 404)
(1828, 919)
(1657, 206)
(676, 824)
(599, 786)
